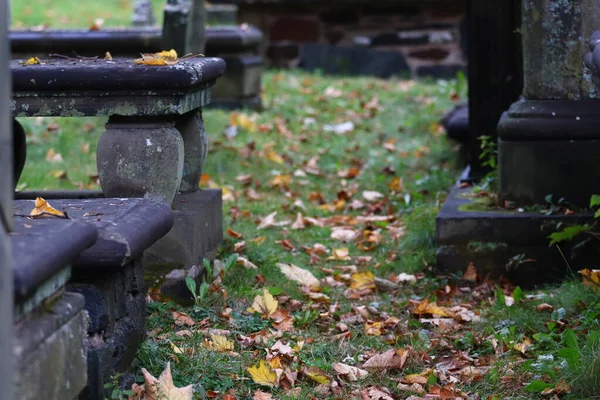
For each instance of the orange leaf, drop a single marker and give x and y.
(43, 208)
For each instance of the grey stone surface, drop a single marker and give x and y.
(137, 158)
(195, 147)
(243, 78)
(50, 352)
(531, 170)
(495, 241)
(197, 233)
(352, 60)
(115, 302)
(143, 15)
(554, 34)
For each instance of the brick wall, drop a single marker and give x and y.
(377, 38)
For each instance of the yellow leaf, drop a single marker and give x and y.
(281, 181)
(175, 349)
(373, 328)
(32, 61)
(276, 158)
(163, 388)
(108, 56)
(340, 254)
(219, 343)
(43, 208)
(299, 275)
(265, 304)
(425, 307)
(161, 58)
(317, 375)
(363, 280)
(396, 185)
(591, 277)
(263, 374)
(259, 240)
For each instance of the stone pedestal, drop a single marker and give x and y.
(196, 234)
(549, 141)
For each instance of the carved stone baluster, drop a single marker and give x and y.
(191, 127)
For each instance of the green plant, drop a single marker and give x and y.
(489, 159)
(568, 233)
(202, 292)
(117, 393)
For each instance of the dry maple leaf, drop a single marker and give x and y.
(243, 261)
(219, 343)
(163, 388)
(344, 234)
(299, 275)
(375, 393)
(363, 280)
(181, 318)
(391, 359)
(349, 372)
(260, 395)
(43, 208)
(299, 223)
(591, 277)
(262, 374)
(268, 221)
(265, 304)
(167, 57)
(370, 195)
(32, 61)
(317, 375)
(283, 349)
(427, 308)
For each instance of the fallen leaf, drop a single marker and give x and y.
(317, 375)
(53, 157)
(370, 195)
(343, 234)
(219, 343)
(42, 207)
(470, 274)
(363, 280)
(156, 59)
(260, 395)
(396, 185)
(388, 360)
(182, 318)
(340, 254)
(349, 372)
(268, 221)
(427, 308)
(591, 277)
(108, 56)
(299, 275)
(265, 304)
(32, 61)
(375, 393)
(544, 307)
(243, 261)
(234, 234)
(164, 388)
(262, 374)
(299, 223)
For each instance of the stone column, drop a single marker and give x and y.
(175, 24)
(6, 196)
(137, 157)
(195, 143)
(196, 38)
(549, 143)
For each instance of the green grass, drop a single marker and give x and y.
(395, 135)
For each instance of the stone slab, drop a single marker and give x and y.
(100, 88)
(42, 247)
(352, 61)
(196, 234)
(126, 227)
(50, 351)
(495, 240)
(455, 226)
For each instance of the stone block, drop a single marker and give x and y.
(243, 78)
(297, 29)
(352, 60)
(115, 302)
(440, 71)
(511, 244)
(50, 351)
(196, 234)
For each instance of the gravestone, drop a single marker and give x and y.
(552, 133)
(6, 292)
(143, 15)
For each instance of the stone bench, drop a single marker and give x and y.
(239, 86)
(154, 145)
(50, 325)
(109, 275)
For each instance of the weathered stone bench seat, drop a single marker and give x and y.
(238, 46)
(50, 325)
(110, 277)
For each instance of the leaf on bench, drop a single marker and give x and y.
(161, 58)
(43, 208)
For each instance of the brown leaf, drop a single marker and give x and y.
(260, 395)
(163, 388)
(234, 234)
(391, 359)
(182, 318)
(349, 372)
(299, 275)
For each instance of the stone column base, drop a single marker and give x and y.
(196, 234)
(550, 147)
